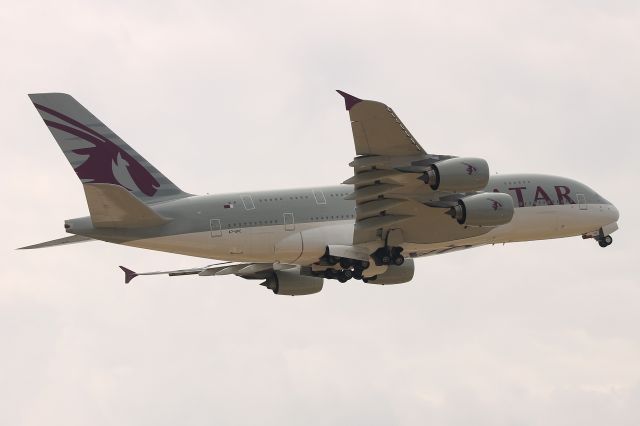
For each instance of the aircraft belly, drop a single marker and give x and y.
(198, 244)
(425, 235)
(528, 224)
(545, 222)
(255, 244)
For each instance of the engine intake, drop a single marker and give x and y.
(485, 209)
(290, 283)
(458, 175)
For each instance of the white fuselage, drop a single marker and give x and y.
(260, 244)
(301, 236)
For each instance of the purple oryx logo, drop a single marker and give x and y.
(495, 204)
(106, 162)
(471, 169)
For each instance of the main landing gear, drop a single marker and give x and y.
(388, 256)
(344, 269)
(349, 268)
(604, 241)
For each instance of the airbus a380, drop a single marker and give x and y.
(400, 204)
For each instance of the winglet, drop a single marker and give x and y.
(128, 275)
(349, 100)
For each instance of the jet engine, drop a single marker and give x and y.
(485, 209)
(395, 274)
(458, 175)
(290, 283)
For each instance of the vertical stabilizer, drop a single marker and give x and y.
(97, 154)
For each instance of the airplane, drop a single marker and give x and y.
(401, 203)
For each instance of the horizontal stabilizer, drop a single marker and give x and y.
(58, 242)
(112, 206)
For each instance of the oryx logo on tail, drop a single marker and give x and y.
(106, 162)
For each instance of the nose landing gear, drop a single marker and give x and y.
(605, 241)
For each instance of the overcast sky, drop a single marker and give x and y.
(239, 96)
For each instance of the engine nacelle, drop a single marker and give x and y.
(396, 274)
(458, 175)
(290, 283)
(485, 209)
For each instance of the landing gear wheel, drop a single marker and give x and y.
(364, 264)
(343, 279)
(605, 241)
(357, 274)
(347, 273)
(388, 256)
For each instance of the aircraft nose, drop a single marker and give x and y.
(613, 213)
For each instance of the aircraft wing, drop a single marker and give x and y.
(377, 130)
(388, 179)
(245, 270)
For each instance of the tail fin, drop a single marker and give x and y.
(97, 154)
